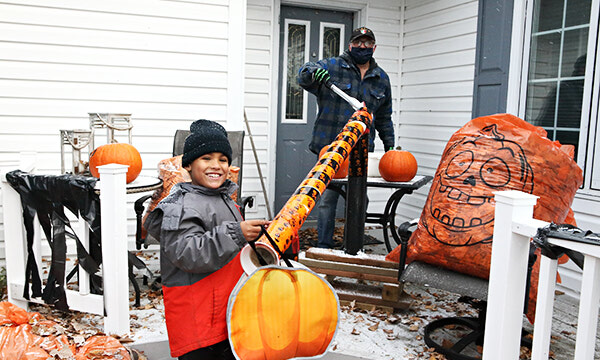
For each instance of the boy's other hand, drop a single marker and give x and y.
(251, 228)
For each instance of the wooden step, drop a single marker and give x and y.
(375, 280)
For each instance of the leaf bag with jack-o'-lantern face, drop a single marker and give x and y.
(488, 154)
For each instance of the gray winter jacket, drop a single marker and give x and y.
(199, 232)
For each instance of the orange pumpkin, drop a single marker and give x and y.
(398, 165)
(343, 171)
(123, 154)
(281, 313)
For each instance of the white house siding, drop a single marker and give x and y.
(257, 100)
(436, 82)
(165, 62)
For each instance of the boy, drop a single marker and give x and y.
(201, 233)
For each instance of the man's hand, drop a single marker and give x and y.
(251, 228)
(321, 76)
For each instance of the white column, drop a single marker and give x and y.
(113, 202)
(15, 243)
(543, 309)
(588, 309)
(236, 58)
(508, 272)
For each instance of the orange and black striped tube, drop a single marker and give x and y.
(295, 211)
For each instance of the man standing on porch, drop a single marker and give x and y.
(356, 73)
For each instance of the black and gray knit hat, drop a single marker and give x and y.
(205, 137)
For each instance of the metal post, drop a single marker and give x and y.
(356, 198)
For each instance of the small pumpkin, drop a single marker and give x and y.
(118, 153)
(343, 170)
(281, 313)
(398, 165)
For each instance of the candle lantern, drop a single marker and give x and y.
(112, 122)
(78, 139)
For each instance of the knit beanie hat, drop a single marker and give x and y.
(205, 137)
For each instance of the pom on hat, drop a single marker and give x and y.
(205, 137)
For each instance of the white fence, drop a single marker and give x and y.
(514, 225)
(114, 303)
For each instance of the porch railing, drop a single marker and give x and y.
(514, 225)
(114, 303)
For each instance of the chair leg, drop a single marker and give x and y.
(136, 286)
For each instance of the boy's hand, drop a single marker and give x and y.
(251, 228)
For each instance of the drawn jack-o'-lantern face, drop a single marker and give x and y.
(460, 208)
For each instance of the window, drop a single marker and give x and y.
(331, 36)
(296, 54)
(558, 85)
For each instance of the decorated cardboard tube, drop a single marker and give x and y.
(292, 215)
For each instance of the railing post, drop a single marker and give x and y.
(544, 308)
(113, 214)
(588, 309)
(508, 272)
(15, 244)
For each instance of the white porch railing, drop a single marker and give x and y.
(115, 301)
(514, 225)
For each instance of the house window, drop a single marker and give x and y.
(558, 53)
(295, 55)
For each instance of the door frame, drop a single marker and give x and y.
(360, 18)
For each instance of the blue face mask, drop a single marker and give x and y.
(361, 55)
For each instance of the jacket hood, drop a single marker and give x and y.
(228, 188)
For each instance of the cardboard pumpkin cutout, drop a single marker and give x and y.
(281, 313)
(488, 154)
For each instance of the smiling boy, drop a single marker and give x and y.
(201, 233)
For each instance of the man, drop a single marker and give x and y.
(356, 73)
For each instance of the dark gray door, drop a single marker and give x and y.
(305, 35)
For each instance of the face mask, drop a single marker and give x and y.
(361, 55)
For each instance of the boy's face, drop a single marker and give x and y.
(209, 170)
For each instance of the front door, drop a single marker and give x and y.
(305, 35)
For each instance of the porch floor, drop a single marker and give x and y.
(362, 334)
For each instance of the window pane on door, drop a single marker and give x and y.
(331, 41)
(559, 41)
(294, 103)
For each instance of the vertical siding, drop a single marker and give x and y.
(436, 82)
(165, 62)
(257, 100)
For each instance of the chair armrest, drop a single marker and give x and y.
(246, 201)
(405, 233)
(404, 229)
(138, 206)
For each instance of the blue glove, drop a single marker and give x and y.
(321, 76)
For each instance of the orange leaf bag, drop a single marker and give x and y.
(488, 154)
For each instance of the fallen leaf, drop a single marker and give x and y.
(374, 327)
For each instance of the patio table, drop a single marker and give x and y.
(388, 218)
